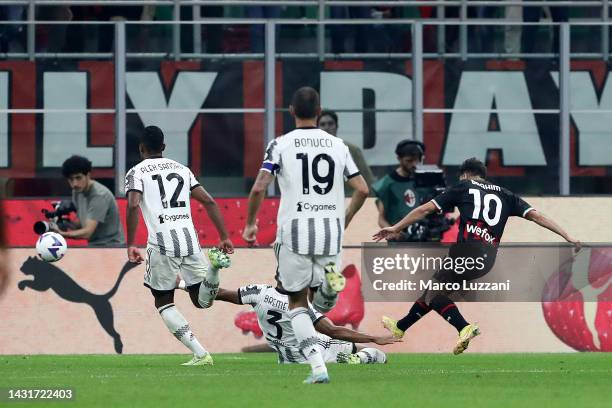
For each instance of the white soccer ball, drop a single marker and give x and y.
(51, 247)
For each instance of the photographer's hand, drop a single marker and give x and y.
(82, 233)
(54, 228)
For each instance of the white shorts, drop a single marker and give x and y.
(330, 348)
(161, 270)
(296, 272)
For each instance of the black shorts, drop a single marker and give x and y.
(483, 255)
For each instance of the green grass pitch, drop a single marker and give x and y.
(256, 380)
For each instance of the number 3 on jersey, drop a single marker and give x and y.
(273, 320)
(478, 204)
(327, 179)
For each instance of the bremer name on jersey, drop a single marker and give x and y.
(272, 309)
(166, 190)
(311, 166)
(484, 209)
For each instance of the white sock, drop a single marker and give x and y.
(209, 287)
(371, 355)
(324, 301)
(176, 323)
(307, 339)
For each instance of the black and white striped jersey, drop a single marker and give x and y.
(166, 190)
(272, 309)
(311, 166)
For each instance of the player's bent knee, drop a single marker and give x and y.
(162, 297)
(194, 293)
(203, 294)
(196, 302)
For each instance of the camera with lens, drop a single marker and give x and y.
(429, 181)
(56, 218)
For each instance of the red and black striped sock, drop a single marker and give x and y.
(449, 311)
(418, 310)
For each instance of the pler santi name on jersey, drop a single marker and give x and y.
(302, 206)
(172, 218)
(160, 166)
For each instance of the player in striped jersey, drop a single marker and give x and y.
(336, 343)
(162, 188)
(311, 166)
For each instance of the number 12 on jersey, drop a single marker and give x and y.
(174, 202)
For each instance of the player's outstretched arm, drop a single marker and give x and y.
(551, 225)
(413, 216)
(230, 296)
(360, 193)
(131, 220)
(212, 209)
(256, 196)
(325, 326)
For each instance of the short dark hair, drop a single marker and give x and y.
(410, 147)
(333, 115)
(305, 102)
(473, 167)
(76, 164)
(153, 139)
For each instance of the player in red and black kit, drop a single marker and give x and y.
(484, 209)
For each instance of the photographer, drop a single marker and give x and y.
(95, 205)
(401, 191)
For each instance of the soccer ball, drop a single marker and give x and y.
(51, 247)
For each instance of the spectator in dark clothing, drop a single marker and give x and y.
(533, 14)
(257, 30)
(122, 13)
(340, 33)
(52, 37)
(10, 33)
